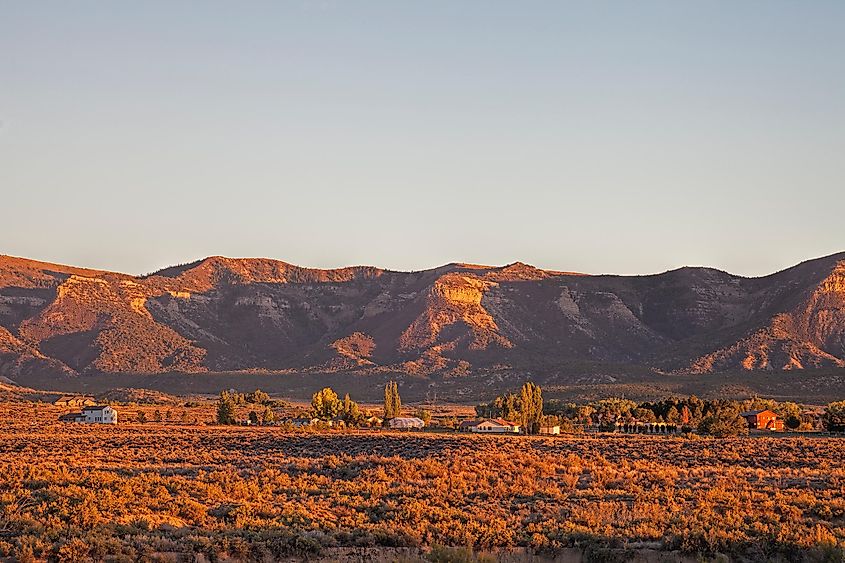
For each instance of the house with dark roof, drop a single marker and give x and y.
(468, 425)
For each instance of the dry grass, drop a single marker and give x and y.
(71, 491)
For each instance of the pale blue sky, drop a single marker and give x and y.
(625, 137)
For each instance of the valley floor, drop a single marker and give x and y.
(139, 492)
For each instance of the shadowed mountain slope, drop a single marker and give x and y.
(223, 314)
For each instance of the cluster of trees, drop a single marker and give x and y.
(228, 402)
(524, 408)
(326, 405)
(168, 415)
(719, 417)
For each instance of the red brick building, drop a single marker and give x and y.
(763, 420)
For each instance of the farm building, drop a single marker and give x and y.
(550, 429)
(74, 401)
(100, 414)
(468, 425)
(403, 423)
(496, 426)
(96, 414)
(763, 420)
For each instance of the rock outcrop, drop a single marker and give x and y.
(224, 314)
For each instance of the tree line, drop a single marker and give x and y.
(720, 417)
(326, 406)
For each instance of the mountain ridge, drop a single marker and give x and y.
(235, 314)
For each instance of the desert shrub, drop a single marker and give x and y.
(130, 492)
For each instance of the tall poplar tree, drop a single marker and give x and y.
(531, 407)
(392, 401)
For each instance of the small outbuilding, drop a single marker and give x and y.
(468, 425)
(405, 423)
(551, 429)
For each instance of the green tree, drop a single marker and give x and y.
(424, 415)
(613, 407)
(157, 416)
(225, 408)
(788, 409)
(268, 416)
(644, 415)
(672, 415)
(531, 407)
(258, 397)
(392, 401)
(324, 404)
(834, 417)
(349, 411)
(792, 422)
(724, 421)
(142, 417)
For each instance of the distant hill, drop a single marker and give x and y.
(254, 315)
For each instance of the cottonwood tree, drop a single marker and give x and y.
(324, 404)
(349, 411)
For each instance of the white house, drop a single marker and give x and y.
(550, 429)
(402, 422)
(99, 414)
(496, 426)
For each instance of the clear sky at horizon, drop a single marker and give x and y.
(602, 137)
